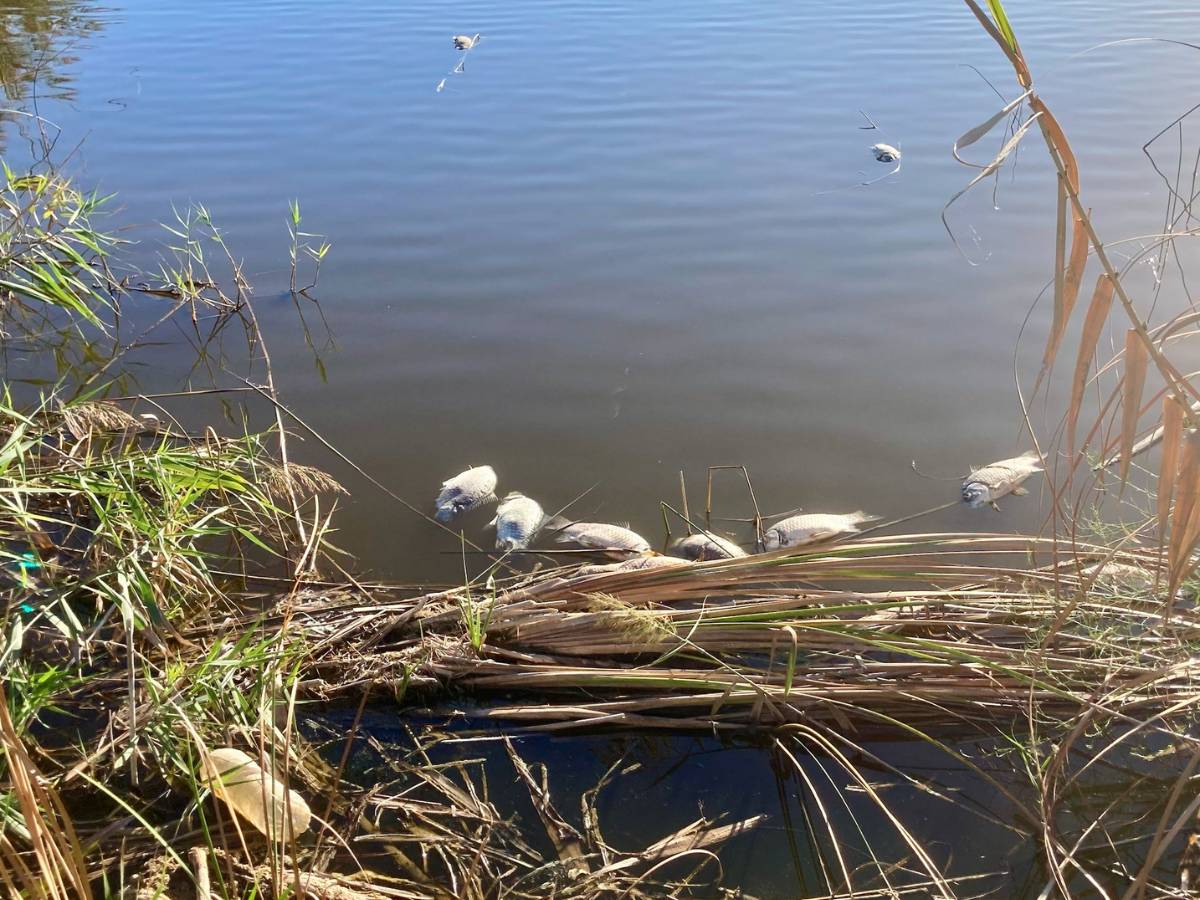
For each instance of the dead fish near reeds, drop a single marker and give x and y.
(615, 540)
(465, 42)
(466, 491)
(637, 563)
(702, 547)
(984, 486)
(885, 153)
(809, 528)
(518, 521)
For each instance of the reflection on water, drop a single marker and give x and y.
(40, 43)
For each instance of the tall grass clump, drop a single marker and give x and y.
(118, 525)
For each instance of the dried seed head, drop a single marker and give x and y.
(83, 419)
(638, 624)
(279, 481)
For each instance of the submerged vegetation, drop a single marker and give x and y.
(177, 621)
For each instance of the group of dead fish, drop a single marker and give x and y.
(520, 519)
(280, 814)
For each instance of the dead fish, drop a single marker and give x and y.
(811, 527)
(517, 522)
(702, 547)
(635, 564)
(885, 153)
(599, 536)
(987, 485)
(1115, 575)
(464, 42)
(466, 491)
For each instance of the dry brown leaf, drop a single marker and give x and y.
(1184, 520)
(1064, 305)
(1093, 324)
(1137, 357)
(1168, 468)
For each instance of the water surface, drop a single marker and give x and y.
(602, 255)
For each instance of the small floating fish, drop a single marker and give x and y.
(987, 485)
(702, 547)
(466, 491)
(812, 527)
(885, 153)
(517, 522)
(599, 536)
(635, 564)
(465, 42)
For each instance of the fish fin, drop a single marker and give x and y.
(1019, 491)
(555, 523)
(492, 524)
(859, 517)
(994, 505)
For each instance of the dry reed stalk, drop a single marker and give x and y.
(59, 871)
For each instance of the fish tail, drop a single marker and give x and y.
(1032, 457)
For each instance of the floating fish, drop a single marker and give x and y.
(987, 485)
(599, 536)
(1115, 575)
(465, 42)
(466, 491)
(256, 796)
(811, 527)
(885, 153)
(517, 522)
(635, 564)
(703, 547)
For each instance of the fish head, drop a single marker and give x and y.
(975, 494)
(773, 539)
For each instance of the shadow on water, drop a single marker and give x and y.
(814, 813)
